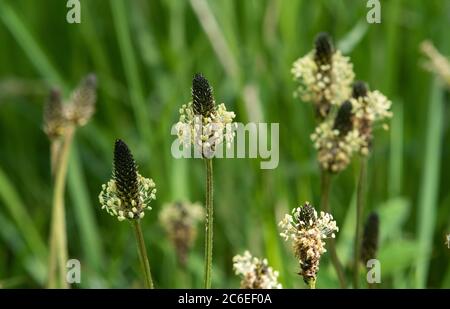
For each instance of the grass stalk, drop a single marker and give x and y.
(325, 206)
(429, 190)
(58, 235)
(208, 223)
(213, 31)
(360, 201)
(143, 254)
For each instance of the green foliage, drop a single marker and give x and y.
(145, 54)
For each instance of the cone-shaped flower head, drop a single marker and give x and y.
(81, 106)
(369, 108)
(202, 96)
(77, 111)
(127, 194)
(359, 89)
(369, 246)
(324, 49)
(256, 273)
(336, 140)
(54, 118)
(204, 124)
(180, 221)
(307, 231)
(436, 62)
(343, 121)
(324, 76)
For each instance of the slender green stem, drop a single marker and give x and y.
(58, 236)
(312, 284)
(325, 206)
(360, 200)
(209, 223)
(143, 254)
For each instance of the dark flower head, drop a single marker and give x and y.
(324, 48)
(127, 194)
(202, 96)
(369, 245)
(306, 214)
(343, 121)
(54, 120)
(359, 89)
(90, 81)
(125, 172)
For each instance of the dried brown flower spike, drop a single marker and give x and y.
(180, 221)
(58, 116)
(307, 232)
(343, 121)
(54, 119)
(436, 62)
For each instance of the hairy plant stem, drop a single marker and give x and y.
(209, 223)
(143, 254)
(360, 200)
(325, 206)
(55, 148)
(58, 235)
(312, 284)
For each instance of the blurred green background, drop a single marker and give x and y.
(145, 54)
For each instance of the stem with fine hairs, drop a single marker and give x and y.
(312, 284)
(58, 235)
(143, 254)
(209, 223)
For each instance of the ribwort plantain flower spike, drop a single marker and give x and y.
(324, 76)
(54, 119)
(202, 96)
(127, 195)
(180, 221)
(307, 231)
(436, 62)
(370, 240)
(343, 121)
(256, 273)
(369, 108)
(76, 112)
(324, 49)
(82, 103)
(204, 124)
(336, 141)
